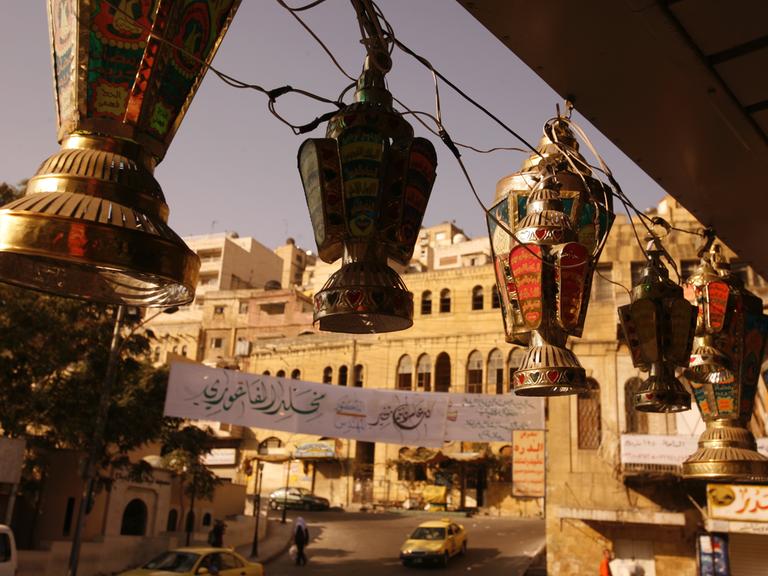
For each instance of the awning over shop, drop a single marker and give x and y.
(736, 527)
(321, 450)
(623, 516)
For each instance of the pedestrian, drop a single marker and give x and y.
(300, 539)
(605, 566)
(216, 535)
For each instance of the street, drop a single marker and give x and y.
(368, 544)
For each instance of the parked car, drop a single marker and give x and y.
(434, 542)
(221, 561)
(297, 498)
(8, 557)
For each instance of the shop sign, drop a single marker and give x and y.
(315, 450)
(742, 502)
(528, 463)
(221, 457)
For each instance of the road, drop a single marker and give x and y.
(363, 544)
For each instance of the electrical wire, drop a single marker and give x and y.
(306, 6)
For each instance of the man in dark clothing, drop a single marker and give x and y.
(216, 535)
(300, 539)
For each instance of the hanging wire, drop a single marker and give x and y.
(306, 6)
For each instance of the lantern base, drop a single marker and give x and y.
(727, 452)
(364, 297)
(662, 392)
(92, 226)
(548, 370)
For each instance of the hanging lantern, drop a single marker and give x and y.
(559, 219)
(93, 223)
(658, 325)
(367, 185)
(731, 334)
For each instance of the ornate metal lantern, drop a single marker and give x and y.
(659, 324)
(93, 222)
(547, 229)
(367, 185)
(731, 334)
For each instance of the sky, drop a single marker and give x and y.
(232, 166)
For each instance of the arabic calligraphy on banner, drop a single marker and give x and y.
(745, 502)
(528, 463)
(397, 417)
(196, 391)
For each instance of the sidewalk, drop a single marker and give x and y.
(276, 542)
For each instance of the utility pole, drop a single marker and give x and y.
(257, 508)
(285, 494)
(191, 523)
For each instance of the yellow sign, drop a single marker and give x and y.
(745, 502)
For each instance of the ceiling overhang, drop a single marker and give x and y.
(681, 86)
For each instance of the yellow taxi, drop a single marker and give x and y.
(434, 542)
(194, 561)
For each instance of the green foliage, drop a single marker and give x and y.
(183, 452)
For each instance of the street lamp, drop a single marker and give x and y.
(285, 493)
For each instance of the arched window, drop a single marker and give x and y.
(445, 300)
(173, 520)
(134, 518)
(477, 298)
(357, 378)
(327, 375)
(280, 374)
(184, 350)
(426, 303)
(495, 302)
(637, 422)
(207, 519)
(296, 374)
(268, 444)
(175, 349)
(405, 373)
(343, 370)
(475, 373)
(516, 356)
(443, 373)
(495, 372)
(266, 373)
(588, 409)
(424, 373)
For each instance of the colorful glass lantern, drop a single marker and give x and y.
(731, 334)
(659, 324)
(547, 229)
(93, 223)
(367, 185)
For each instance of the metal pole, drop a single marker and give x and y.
(89, 469)
(11, 503)
(285, 499)
(190, 525)
(257, 509)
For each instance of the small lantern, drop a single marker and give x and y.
(659, 324)
(93, 223)
(547, 229)
(367, 185)
(731, 334)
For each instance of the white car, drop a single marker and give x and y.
(8, 557)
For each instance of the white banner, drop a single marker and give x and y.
(392, 416)
(656, 449)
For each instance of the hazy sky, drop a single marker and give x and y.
(232, 165)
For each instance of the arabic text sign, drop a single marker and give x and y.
(196, 391)
(528, 463)
(486, 418)
(656, 449)
(11, 460)
(745, 502)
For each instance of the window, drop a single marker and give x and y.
(218, 310)
(404, 373)
(134, 518)
(343, 375)
(603, 289)
(426, 303)
(243, 308)
(217, 342)
(475, 373)
(184, 350)
(173, 520)
(175, 349)
(477, 298)
(357, 378)
(588, 409)
(327, 375)
(443, 373)
(636, 422)
(495, 302)
(424, 373)
(445, 300)
(296, 374)
(266, 373)
(516, 357)
(273, 308)
(495, 372)
(207, 519)
(280, 374)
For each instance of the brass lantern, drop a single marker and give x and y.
(93, 223)
(547, 229)
(367, 185)
(731, 334)
(659, 324)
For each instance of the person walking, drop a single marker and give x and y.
(300, 539)
(605, 564)
(216, 535)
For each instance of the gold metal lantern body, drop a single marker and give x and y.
(731, 335)
(367, 185)
(547, 229)
(93, 222)
(659, 325)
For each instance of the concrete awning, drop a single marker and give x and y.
(623, 516)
